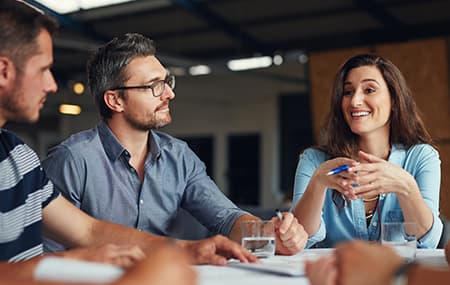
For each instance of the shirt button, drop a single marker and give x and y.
(141, 201)
(374, 224)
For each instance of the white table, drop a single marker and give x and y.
(214, 275)
(59, 269)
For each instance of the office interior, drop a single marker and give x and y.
(250, 126)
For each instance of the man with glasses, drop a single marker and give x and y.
(125, 171)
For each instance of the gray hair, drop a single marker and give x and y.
(106, 68)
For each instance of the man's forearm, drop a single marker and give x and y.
(236, 231)
(19, 271)
(105, 232)
(422, 275)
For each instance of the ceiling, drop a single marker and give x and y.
(190, 32)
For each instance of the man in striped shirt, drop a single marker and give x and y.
(29, 205)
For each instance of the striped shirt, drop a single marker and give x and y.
(24, 192)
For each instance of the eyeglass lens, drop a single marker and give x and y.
(158, 87)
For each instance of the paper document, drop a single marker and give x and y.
(282, 265)
(289, 268)
(69, 270)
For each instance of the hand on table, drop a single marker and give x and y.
(322, 271)
(216, 251)
(357, 260)
(166, 265)
(291, 237)
(120, 255)
(356, 263)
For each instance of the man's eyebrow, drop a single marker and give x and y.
(155, 78)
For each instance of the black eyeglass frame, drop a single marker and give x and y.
(169, 80)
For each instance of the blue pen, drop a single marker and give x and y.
(339, 169)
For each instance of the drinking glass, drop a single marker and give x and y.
(402, 237)
(259, 237)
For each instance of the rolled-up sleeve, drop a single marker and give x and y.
(65, 173)
(428, 178)
(309, 161)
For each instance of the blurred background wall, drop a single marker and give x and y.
(250, 126)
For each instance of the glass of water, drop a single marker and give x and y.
(402, 237)
(259, 237)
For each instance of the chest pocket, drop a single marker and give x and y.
(394, 216)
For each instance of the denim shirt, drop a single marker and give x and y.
(421, 161)
(92, 170)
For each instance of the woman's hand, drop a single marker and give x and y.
(377, 176)
(341, 182)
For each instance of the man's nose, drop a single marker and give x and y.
(51, 86)
(168, 93)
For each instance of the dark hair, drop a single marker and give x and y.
(20, 25)
(106, 68)
(406, 125)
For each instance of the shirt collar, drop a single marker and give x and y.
(114, 148)
(397, 155)
(154, 145)
(111, 144)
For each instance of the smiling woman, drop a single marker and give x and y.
(394, 175)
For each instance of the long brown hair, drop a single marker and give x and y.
(406, 125)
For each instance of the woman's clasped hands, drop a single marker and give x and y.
(367, 177)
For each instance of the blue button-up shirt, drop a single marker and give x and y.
(92, 170)
(421, 161)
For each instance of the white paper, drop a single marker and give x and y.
(282, 265)
(69, 270)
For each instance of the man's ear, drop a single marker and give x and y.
(113, 100)
(7, 71)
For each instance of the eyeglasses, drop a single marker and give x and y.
(157, 87)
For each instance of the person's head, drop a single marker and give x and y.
(129, 61)
(26, 56)
(370, 93)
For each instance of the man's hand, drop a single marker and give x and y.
(352, 263)
(291, 237)
(357, 260)
(120, 255)
(216, 251)
(322, 271)
(166, 265)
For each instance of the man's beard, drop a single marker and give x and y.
(12, 104)
(146, 125)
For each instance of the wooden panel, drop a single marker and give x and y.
(425, 67)
(444, 151)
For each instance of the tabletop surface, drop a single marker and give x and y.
(227, 275)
